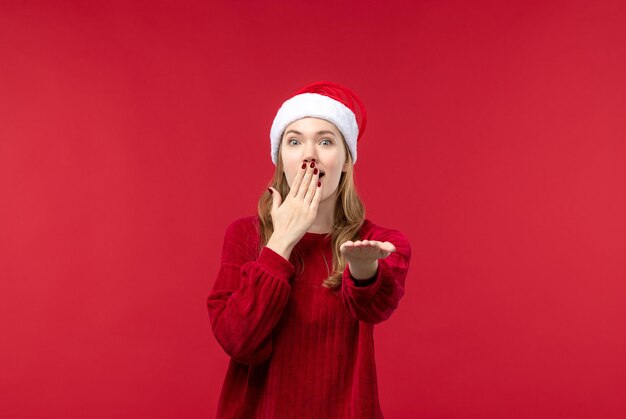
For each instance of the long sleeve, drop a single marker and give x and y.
(248, 297)
(374, 300)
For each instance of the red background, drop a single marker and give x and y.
(133, 133)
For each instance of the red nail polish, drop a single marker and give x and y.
(319, 184)
(315, 171)
(312, 164)
(304, 165)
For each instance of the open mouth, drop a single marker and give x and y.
(322, 174)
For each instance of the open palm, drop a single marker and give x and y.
(362, 251)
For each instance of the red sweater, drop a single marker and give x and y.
(299, 350)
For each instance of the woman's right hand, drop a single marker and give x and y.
(293, 217)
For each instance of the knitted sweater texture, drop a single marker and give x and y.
(297, 349)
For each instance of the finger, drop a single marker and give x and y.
(304, 186)
(377, 248)
(312, 187)
(276, 199)
(345, 246)
(316, 198)
(297, 180)
(389, 247)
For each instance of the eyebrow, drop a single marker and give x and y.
(318, 132)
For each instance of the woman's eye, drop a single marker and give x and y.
(293, 139)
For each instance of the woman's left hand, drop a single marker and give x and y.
(362, 252)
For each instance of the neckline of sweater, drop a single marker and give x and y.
(323, 236)
(317, 236)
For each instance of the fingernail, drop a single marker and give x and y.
(312, 164)
(315, 171)
(270, 191)
(304, 165)
(319, 184)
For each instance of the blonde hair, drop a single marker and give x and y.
(348, 218)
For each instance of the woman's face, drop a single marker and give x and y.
(316, 139)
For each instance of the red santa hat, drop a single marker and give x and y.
(325, 100)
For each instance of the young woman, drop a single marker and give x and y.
(303, 283)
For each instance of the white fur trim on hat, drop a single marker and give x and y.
(318, 106)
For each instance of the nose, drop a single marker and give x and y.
(309, 155)
(308, 151)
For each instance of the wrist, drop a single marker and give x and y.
(281, 245)
(363, 271)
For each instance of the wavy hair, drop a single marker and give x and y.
(348, 218)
